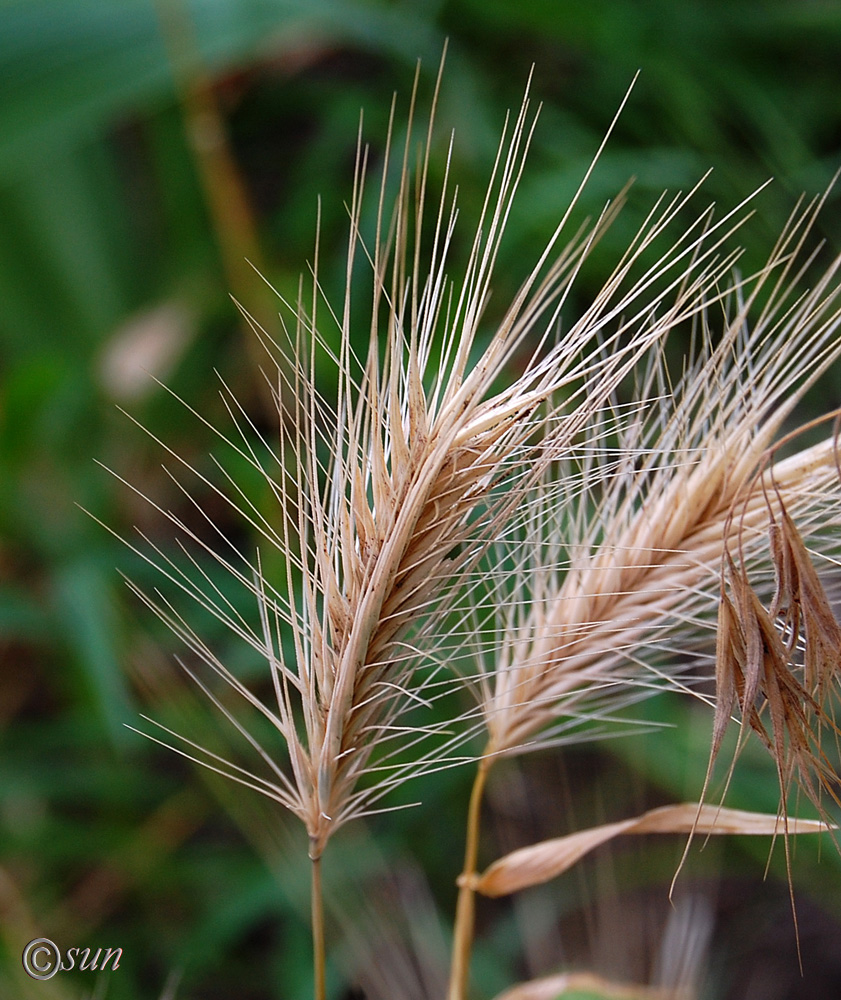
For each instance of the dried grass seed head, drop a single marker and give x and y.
(384, 504)
(614, 609)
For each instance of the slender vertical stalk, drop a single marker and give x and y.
(466, 905)
(318, 953)
(229, 204)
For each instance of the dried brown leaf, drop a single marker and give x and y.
(780, 698)
(559, 985)
(538, 863)
(822, 633)
(729, 656)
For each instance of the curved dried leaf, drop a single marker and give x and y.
(538, 863)
(566, 983)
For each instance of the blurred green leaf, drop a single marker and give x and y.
(75, 64)
(86, 614)
(20, 616)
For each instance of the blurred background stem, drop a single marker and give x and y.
(228, 202)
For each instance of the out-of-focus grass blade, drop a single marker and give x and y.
(66, 66)
(86, 615)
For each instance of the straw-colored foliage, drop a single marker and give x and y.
(585, 985)
(541, 862)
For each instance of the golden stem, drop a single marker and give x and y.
(318, 953)
(466, 905)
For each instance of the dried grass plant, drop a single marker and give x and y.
(444, 529)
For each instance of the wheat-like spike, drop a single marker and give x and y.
(392, 486)
(646, 549)
(407, 479)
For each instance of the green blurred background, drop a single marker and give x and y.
(146, 150)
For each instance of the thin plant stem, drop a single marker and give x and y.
(318, 952)
(466, 905)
